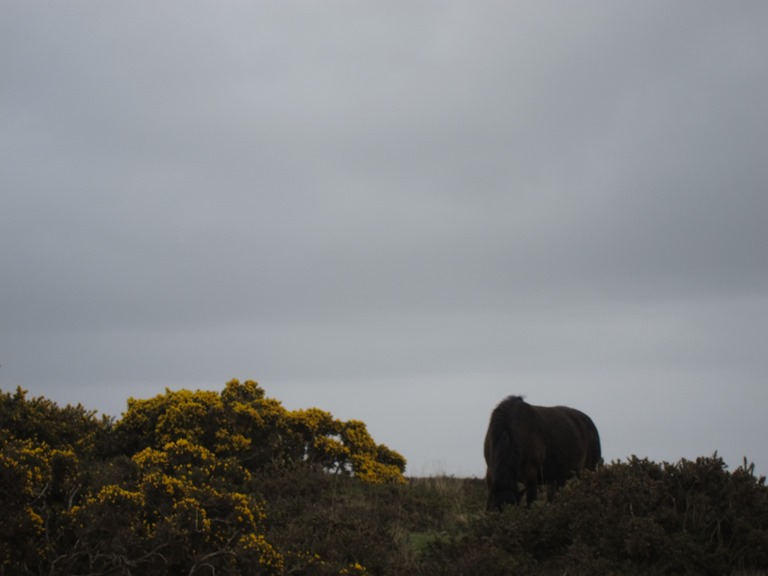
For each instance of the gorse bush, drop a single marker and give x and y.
(232, 483)
(171, 488)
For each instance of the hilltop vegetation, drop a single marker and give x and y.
(233, 483)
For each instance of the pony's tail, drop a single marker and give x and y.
(595, 452)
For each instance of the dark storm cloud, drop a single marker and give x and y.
(437, 198)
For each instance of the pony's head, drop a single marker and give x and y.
(502, 454)
(504, 489)
(497, 499)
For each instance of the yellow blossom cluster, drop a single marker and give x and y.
(242, 423)
(355, 569)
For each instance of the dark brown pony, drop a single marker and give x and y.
(533, 445)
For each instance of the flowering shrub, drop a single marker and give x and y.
(27, 472)
(173, 487)
(182, 512)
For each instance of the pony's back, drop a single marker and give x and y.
(572, 442)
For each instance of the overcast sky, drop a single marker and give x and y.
(397, 211)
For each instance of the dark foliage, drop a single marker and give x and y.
(634, 517)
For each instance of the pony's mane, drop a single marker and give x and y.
(514, 399)
(503, 448)
(500, 413)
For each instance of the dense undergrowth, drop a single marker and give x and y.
(204, 483)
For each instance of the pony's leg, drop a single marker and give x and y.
(532, 492)
(551, 489)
